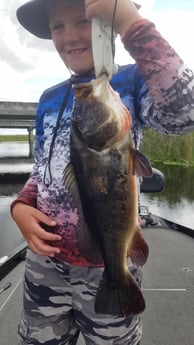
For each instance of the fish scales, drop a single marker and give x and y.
(105, 165)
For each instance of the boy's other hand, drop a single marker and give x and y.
(126, 13)
(28, 220)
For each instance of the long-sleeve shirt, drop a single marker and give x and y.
(158, 90)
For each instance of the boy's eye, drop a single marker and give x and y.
(83, 21)
(56, 27)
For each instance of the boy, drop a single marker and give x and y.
(60, 284)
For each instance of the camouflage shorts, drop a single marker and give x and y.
(59, 304)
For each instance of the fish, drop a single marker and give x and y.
(102, 177)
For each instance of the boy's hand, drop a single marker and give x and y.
(28, 220)
(126, 13)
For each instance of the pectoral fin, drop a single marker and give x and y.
(142, 164)
(139, 249)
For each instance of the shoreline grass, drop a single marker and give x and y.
(13, 137)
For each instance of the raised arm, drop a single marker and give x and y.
(168, 106)
(170, 82)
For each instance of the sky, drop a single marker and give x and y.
(29, 65)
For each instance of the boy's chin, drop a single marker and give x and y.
(81, 70)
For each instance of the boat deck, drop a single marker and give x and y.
(168, 287)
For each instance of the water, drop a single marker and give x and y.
(14, 157)
(180, 212)
(14, 149)
(11, 239)
(176, 202)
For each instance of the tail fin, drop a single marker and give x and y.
(123, 298)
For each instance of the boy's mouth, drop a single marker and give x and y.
(76, 51)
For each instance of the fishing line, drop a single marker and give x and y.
(48, 167)
(112, 30)
(61, 111)
(74, 79)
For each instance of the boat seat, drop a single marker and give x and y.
(153, 184)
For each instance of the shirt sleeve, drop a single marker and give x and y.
(28, 194)
(169, 104)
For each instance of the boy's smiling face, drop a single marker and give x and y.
(71, 34)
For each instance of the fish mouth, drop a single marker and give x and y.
(83, 90)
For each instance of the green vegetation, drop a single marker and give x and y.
(16, 137)
(168, 149)
(178, 183)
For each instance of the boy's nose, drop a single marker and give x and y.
(70, 34)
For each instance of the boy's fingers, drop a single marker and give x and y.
(47, 236)
(48, 250)
(40, 248)
(43, 231)
(44, 218)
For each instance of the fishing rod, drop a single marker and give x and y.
(5, 287)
